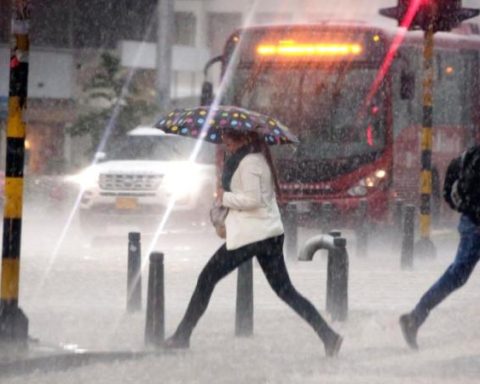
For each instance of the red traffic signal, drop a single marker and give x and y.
(441, 15)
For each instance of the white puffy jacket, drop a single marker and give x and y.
(254, 213)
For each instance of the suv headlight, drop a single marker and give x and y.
(367, 183)
(88, 178)
(181, 183)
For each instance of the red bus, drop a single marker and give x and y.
(359, 129)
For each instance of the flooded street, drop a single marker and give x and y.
(77, 300)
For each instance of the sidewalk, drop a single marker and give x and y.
(39, 357)
(33, 349)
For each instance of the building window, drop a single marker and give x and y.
(272, 18)
(5, 16)
(219, 28)
(185, 27)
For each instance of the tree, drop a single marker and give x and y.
(113, 97)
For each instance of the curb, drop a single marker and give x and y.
(63, 362)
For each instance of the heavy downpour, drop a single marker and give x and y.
(266, 191)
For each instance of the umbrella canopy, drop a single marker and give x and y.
(207, 123)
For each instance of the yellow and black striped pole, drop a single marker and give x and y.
(13, 322)
(424, 246)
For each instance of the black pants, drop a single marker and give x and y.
(269, 254)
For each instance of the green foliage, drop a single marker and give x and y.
(113, 98)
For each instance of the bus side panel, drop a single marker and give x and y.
(454, 115)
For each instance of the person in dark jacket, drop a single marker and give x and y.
(253, 229)
(457, 274)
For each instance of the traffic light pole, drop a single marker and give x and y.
(425, 246)
(13, 322)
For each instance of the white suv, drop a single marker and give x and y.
(134, 182)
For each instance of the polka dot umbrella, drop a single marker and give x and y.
(207, 123)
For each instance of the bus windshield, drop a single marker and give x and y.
(322, 105)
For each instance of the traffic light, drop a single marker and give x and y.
(440, 15)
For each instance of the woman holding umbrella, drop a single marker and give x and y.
(253, 229)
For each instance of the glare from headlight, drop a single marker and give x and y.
(182, 182)
(87, 178)
(371, 181)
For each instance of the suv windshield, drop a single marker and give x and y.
(160, 148)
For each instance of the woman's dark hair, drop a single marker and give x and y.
(259, 145)
(236, 134)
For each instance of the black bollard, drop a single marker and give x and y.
(326, 216)
(408, 237)
(244, 307)
(397, 225)
(361, 229)
(330, 272)
(337, 280)
(134, 276)
(291, 231)
(155, 321)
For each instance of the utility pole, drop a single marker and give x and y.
(429, 16)
(425, 246)
(165, 39)
(13, 322)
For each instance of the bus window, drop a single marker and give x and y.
(323, 106)
(407, 112)
(448, 89)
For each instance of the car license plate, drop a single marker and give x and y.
(126, 203)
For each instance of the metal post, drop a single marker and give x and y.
(291, 231)
(397, 224)
(425, 247)
(166, 15)
(244, 307)
(330, 273)
(408, 237)
(134, 276)
(337, 270)
(337, 289)
(361, 229)
(155, 321)
(13, 322)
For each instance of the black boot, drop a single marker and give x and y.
(409, 329)
(175, 342)
(332, 345)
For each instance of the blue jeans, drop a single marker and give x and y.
(457, 273)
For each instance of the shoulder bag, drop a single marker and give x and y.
(218, 214)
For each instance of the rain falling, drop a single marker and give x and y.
(308, 143)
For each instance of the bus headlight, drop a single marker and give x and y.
(364, 185)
